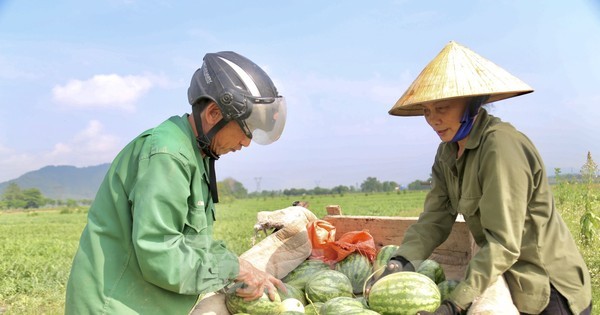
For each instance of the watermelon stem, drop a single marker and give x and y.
(311, 303)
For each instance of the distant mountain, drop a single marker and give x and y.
(63, 182)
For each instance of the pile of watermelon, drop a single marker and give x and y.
(316, 288)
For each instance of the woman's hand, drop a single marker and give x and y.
(395, 264)
(256, 282)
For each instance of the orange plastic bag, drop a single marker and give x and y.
(324, 246)
(321, 233)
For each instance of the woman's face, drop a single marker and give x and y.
(444, 117)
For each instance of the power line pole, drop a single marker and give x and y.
(257, 180)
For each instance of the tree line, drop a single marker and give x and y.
(14, 197)
(369, 185)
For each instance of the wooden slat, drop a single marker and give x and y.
(454, 254)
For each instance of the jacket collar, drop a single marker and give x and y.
(482, 121)
(449, 150)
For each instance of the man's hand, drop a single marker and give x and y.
(395, 264)
(256, 282)
(446, 308)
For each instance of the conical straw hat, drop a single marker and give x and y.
(458, 72)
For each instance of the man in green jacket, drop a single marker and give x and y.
(147, 247)
(492, 175)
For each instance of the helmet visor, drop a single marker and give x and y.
(266, 121)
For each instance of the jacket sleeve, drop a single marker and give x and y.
(434, 223)
(171, 237)
(506, 177)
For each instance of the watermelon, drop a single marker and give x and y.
(260, 306)
(357, 268)
(300, 275)
(363, 311)
(432, 269)
(326, 285)
(362, 300)
(313, 308)
(404, 293)
(383, 256)
(446, 287)
(292, 292)
(340, 305)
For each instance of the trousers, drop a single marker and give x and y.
(559, 305)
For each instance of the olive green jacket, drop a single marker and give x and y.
(147, 246)
(499, 185)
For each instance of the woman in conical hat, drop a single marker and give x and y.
(493, 176)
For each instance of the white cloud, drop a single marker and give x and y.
(90, 146)
(106, 91)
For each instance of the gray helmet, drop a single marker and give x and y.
(243, 92)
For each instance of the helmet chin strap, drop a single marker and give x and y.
(468, 118)
(204, 141)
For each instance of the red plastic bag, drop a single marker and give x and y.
(324, 246)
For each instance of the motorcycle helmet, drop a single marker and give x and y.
(243, 92)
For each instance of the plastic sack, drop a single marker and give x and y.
(278, 253)
(278, 219)
(211, 304)
(283, 250)
(324, 246)
(495, 300)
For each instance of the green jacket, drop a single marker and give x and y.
(147, 246)
(499, 185)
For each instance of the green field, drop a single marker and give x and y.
(36, 248)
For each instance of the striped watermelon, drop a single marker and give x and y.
(432, 269)
(326, 285)
(362, 300)
(340, 305)
(313, 308)
(383, 256)
(260, 306)
(357, 268)
(300, 275)
(446, 287)
(359, 311)
(404, 293)
(293, 292)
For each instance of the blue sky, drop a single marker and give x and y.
(80, 79)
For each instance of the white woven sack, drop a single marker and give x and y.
(211, 304)
(282, 251)
(277, 254)
(495, 300)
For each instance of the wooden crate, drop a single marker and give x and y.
(454, 254)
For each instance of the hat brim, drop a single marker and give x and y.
(417, 108)
(458, 72)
